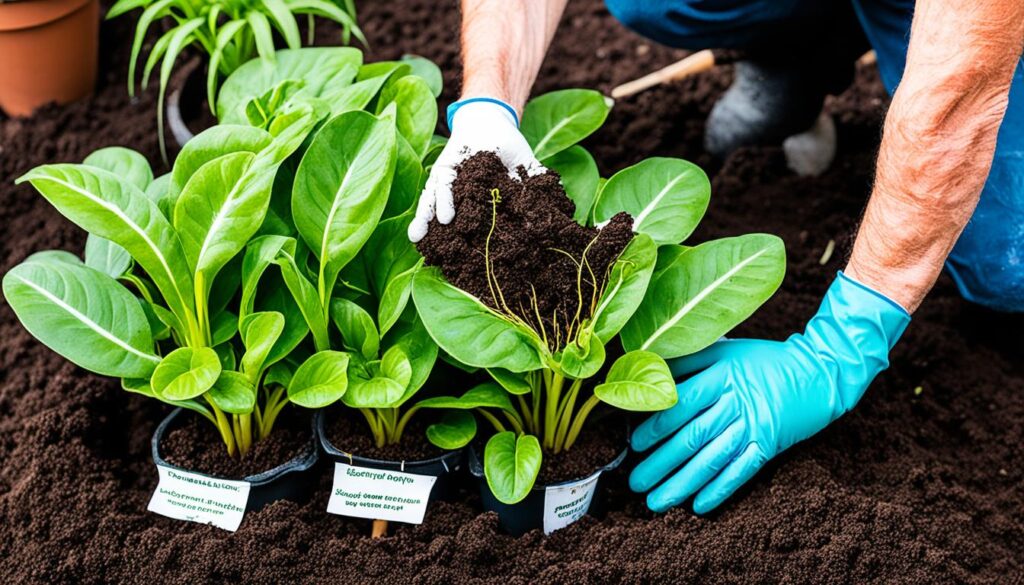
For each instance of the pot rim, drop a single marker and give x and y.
(301, 462)
(325, 443)
(477, 469)
(19, 15)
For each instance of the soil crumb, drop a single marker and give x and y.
(544, 267)
(599, 444)
(349, 432)
(197, 446)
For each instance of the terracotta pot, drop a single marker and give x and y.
(48, 52)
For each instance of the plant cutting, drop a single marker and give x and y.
(339, 239)
(229, 32)
(525, 284)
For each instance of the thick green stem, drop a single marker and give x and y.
(492, 419)
(402, 422)
(565, 414)
(581, 417)
(515, 421)
(524, 408)
(224, 426)
(554, 392)
(376, 426)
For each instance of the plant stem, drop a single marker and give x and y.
(402, 422)
(376, 426)
(565, 414)
(492, 419)
(581, 417)
(224, 426)
(515, 421)
(554, 392)
(524, 408)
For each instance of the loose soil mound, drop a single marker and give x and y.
(514, 245)
(601, 441)
(348, 431)
(910, 487)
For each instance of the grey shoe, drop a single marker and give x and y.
(765, 105)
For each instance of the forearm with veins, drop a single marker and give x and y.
(938, 142)
(503, 46)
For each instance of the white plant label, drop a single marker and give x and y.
(378, 494)
(565, 504)
(199, 498)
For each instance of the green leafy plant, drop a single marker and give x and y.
(342, 251)
(659, 300)
(230, 32)
(176, 295)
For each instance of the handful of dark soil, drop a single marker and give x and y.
(535, 248)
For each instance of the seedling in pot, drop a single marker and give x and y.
(628, 283)
(229, 32)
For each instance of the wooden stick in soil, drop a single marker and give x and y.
(380, 529)
(690, 65)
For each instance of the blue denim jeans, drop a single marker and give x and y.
(988, 260)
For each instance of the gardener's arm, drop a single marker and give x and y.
(939, 140)
(503, 46)
(751, 399)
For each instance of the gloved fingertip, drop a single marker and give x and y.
(658, 503)
(637, 482)
(704, 504)
(417, 230)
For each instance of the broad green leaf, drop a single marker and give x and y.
(412, 339)
(372, 386)
(306, 299)
(437, 144)
(261, 111)
(511, 465)
(131, 166)
(428, 70)
(698, 294)
(223, 327)
(143, 387)
(555, 121)
(358, 331)
(280, 374)
(395, 365)
(159, 191)
(487, 395)
(666, 198)
(580, 178)
(341, 189)
(513, 383)
(260, 253)
(102, 204)
(471, 332)
(212, 144)
(582, 357)
(274, 295)
(157, 327)
(324, 70)
(233, 393)
(321, 380)
(454, 431)
(220, 209)
(226, 355)
(106, 256)
(54, 256)
(84, 315)
(259, 332)
(417, 110)
(407, 184)
(638, 381)
(391, 261)
(624, 291)
(186, 373)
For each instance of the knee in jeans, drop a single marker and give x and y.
(654, 20)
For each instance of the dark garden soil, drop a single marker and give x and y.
(599, 444)
(921, 483)
(514, 245)
(197, 446)
(349, 432)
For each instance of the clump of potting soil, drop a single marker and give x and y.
(514, 245)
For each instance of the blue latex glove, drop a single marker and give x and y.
(756, 398)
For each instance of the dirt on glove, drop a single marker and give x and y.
(514, 245)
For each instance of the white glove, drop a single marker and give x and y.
(476, 126)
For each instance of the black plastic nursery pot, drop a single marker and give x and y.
(446, 468)
(292, 480)
(547, 506)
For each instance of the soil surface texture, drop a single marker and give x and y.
(601, 441)
(196, 446)
(348, 431)
(514, 245)
(921, 483)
